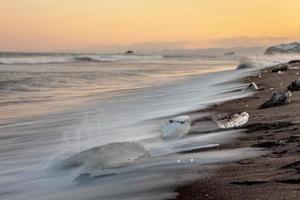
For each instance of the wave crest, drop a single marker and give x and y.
(56, 59)
(34, 60)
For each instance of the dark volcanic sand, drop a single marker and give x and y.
(275, 175)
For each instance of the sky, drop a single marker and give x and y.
(49, 25)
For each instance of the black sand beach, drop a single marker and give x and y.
(275, 175)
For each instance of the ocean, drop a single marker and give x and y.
(55, 105)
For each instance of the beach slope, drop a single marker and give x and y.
(275, 175)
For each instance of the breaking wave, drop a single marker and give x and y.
(28, 84)
(35, 60)
(56, 59)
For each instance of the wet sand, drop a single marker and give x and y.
(275, 175)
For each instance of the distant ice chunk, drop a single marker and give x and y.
(280, 68)
(246, 63)
(176, 127)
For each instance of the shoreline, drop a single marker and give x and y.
(275, 175)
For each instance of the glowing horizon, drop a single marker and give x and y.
(82, 24)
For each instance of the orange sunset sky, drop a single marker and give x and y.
(45, 25)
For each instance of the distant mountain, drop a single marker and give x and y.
(284, 48)
(234, 51)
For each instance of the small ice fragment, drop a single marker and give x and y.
(192, 160)
(178, 161)
(252, 87)
(294, 86)
(278, 98)
(176, 127)
(233, 120)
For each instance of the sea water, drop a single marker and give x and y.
(54, 106)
